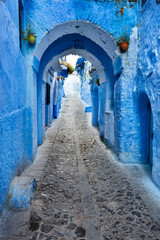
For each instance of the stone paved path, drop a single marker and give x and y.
(83, 193)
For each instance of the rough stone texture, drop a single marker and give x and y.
(148, 72)
(12, 100)
(92, 11)
(127, 143)
(21, 193)
(15, 224)
(84, 193)
(90, 19)
(18, 112)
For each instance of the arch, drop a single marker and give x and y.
(81, 52)
(145, 127)
(85, 39)
(86, 29)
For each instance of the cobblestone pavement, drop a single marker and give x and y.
(83, 193)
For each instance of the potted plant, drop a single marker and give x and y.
(30, 35)
(97, 81)
(122, 10)
(123, 41)
(70, 68)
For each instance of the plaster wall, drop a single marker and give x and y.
(13, 8)
(85, 87)
(58, 46)
(148, 72)
(12, 99)
(126, 139)
(46, 15)
(94, 88)
(49, 108)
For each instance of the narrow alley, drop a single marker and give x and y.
(79, 120)
(83, 192)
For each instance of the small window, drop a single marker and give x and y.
(48, 94)
(20, 24)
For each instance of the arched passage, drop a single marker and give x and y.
(85, 39)
(146, 128)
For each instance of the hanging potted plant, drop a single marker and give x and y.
(97, 81)
(122, 11)
(70, 68)
(123, 41)
(30, 35)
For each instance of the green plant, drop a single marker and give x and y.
(123, 40)
(30, 34)
(69, 66)
(97, 81)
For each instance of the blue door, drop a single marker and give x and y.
(150, 135)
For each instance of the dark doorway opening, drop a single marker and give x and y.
(145, 128)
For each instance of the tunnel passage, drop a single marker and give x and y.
(87, 40)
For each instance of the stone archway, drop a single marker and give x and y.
(86, 29)
(85, 39)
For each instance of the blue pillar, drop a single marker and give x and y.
(102, 108)
(55, 111)
(95, 105)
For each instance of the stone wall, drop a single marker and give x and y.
(12, 99)
(148, 72)
(45, 15)
(137, 86)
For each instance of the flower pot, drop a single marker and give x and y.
(122, 11)
(124, 46)
(97, 82)
(31, 39)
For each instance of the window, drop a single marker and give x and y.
(20, 6)
(47, 94)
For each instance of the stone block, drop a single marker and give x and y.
(21, 193)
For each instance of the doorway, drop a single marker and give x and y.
(150, 134)
(145, 130)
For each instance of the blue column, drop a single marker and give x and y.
(95, 105)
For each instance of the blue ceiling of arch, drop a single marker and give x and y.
(79, 42)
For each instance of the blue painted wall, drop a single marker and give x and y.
(148, 72)
(12, 99)
(49, 107)
(53, 50)
(126, 139)
(85, 87)
(46, 14)
(23, 105)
